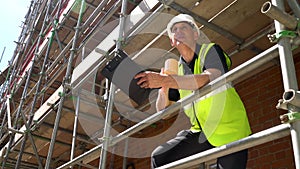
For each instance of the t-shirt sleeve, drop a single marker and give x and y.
(215, 58)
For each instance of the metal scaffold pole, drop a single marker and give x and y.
(109, 108)
(24, 94)
(289, 79)
(2, 53)
(87, 23)
(76, 119)
(22, 53)
(11, 66)
(4, 118)
(37, 89)
(65, 85)
(256, 139)
(75, 127)
(295, 7)
(125, 154)
(21, 40)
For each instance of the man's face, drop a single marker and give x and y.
(184, 33)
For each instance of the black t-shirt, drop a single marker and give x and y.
(215, 58)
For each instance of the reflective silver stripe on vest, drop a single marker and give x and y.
(202, 55)
(216, 91)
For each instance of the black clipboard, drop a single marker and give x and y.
(121, 71)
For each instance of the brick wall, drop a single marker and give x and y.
(260, 95)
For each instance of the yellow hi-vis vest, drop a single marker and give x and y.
(221, 113)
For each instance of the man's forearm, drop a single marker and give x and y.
(162, 100)
(190, 82)
(187, 82)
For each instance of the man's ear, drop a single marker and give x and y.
(172, 42)
(196, 36)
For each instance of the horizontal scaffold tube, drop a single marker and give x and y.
(236, 73)
(264, 136)
(275, 13)
(292, 96)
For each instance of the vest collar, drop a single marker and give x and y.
(192, 63)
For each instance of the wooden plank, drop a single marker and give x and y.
(209, 8)
(235, 15)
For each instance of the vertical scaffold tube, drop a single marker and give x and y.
(75, 126)
(37, 90)
(29, 74)
(12, 67)
(106, 133)
(65, 83)
(294, 5)
(289, 80)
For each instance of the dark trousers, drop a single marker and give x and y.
(186, 143)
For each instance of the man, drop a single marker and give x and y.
(216, 119)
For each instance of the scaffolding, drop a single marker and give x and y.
(53, 80)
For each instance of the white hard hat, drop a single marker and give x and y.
(181, 18)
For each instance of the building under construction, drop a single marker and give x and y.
(58, 110)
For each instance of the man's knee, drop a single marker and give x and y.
(236, 160)
(154, 158)
(157, 155)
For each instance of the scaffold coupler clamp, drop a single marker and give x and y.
(121, 41)
(51, 105)
(291, 102)
(66, 83)
(290, 117)
(35, 125)
(166, 4)
(104, 138)
(274, 38)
